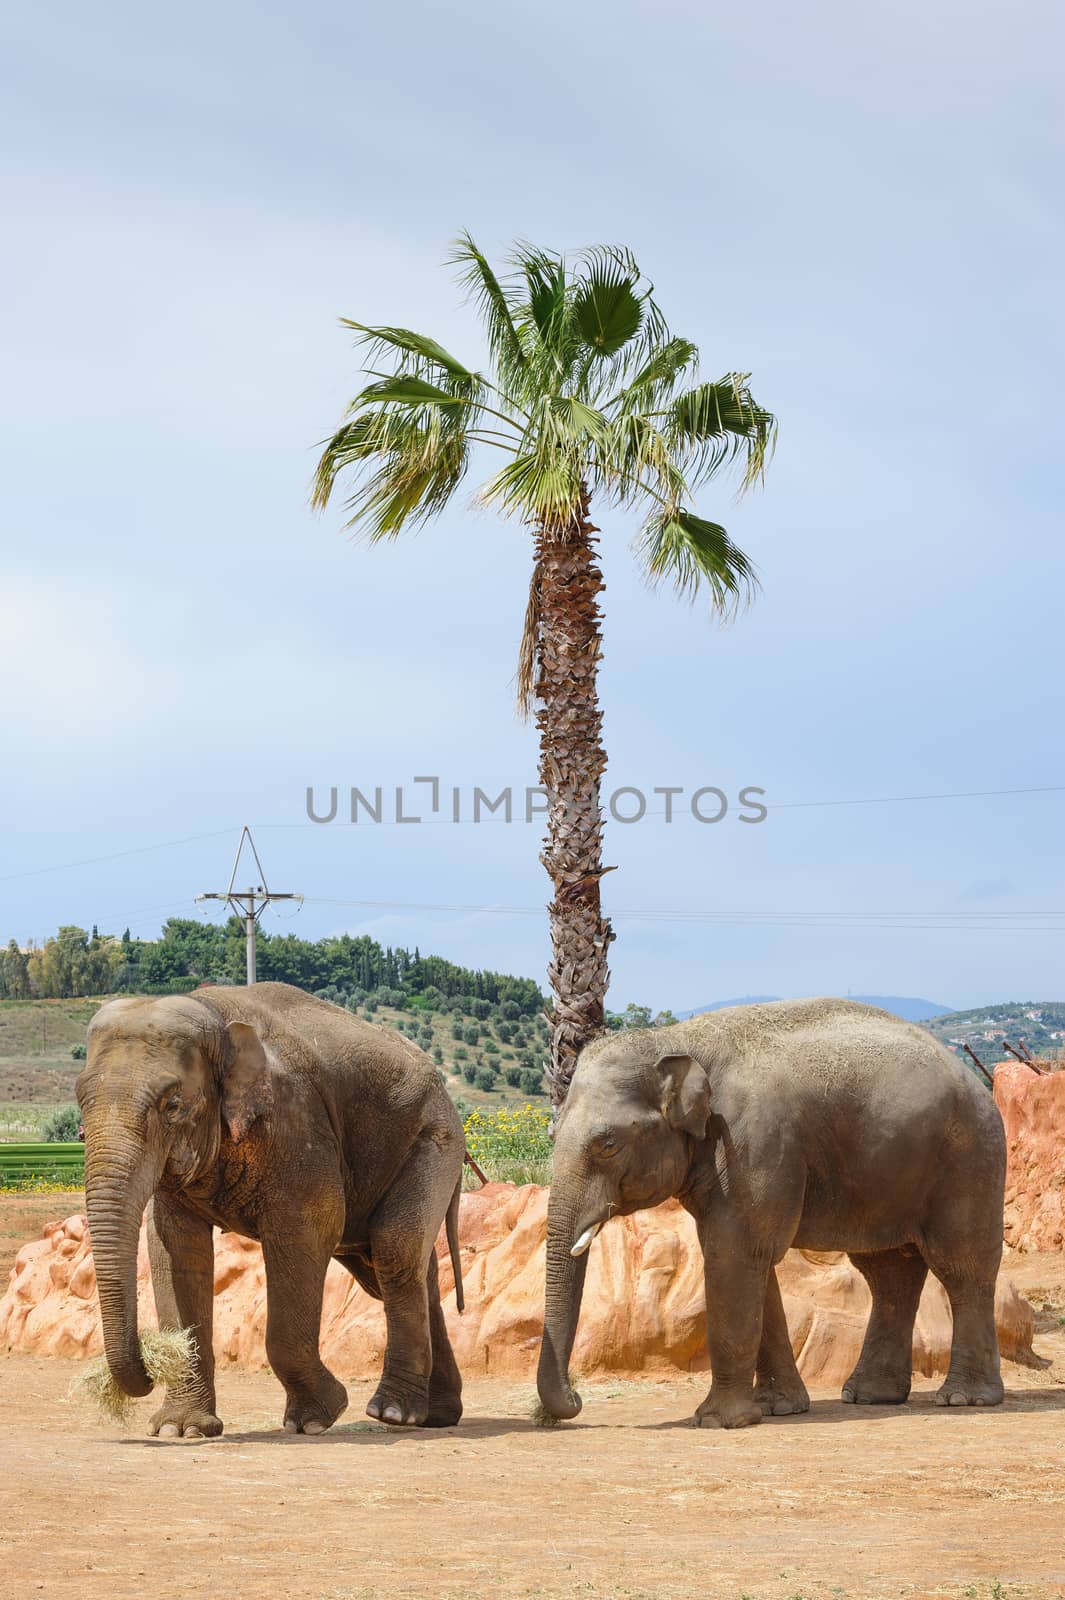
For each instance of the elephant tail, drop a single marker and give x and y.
(451, 1226)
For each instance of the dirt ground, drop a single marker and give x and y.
(627, 1503)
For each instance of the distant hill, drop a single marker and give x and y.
(1040, 1023)
(913, 1010)
(720, 1005)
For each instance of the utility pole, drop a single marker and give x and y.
(248, 904)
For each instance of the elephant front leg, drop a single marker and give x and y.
(296, 1259)
(779, 1391)
(181, 1253)
(735, 1296)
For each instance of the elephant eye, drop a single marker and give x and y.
(607, 1146)
(172, 1106)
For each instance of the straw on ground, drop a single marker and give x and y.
(169, 1357)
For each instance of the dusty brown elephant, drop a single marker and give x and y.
(290, 1121)
(824, 1124)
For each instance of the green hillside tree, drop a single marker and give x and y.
(590, 398)
(14, 973)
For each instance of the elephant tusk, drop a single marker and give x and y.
(585, 1239)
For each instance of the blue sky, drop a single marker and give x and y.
(858, 205)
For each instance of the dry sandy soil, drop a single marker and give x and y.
(628, 1503)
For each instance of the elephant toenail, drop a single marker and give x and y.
(169, 1430)
(314, 1426)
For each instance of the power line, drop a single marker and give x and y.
(902, 799)
(945, 921)
(116, 855)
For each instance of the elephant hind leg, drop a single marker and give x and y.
(964, 1249)
(885, 1367)
(403, 1233)
(974, 1378)
(778, 1389)
(445, 1380)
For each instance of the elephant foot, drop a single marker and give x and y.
(180, 1420)
(400, 1406)
(877, 1388)
(971, 1392)
(445, 1410)
(781, 1399)
(728, 1410)
(314, 1413)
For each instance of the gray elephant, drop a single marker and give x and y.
(823, 1124)
(293, 1122)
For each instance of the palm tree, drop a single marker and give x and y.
(590, 397)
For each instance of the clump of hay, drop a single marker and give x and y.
(169, 1357)
(542, 1417)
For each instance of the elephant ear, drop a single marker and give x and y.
(247, 1087)
(685, 1094)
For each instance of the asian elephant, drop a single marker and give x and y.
(823, 1124)
(290, 1121)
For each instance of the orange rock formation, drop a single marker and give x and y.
(1033, 1112)
(642, 1313)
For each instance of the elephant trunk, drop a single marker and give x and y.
(120, 1178)
(565, 1286)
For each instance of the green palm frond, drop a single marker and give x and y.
(407, 461)
(638, 462)
(494, 304)
(690, 551)
(654, 382)
(575, 421)
(405, 389)
(351, 445)
(538, 487)
(715, 422)
(607, 310)
(381, 340)
(547, 306)
(616, 257)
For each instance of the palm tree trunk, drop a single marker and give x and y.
(568, 645)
